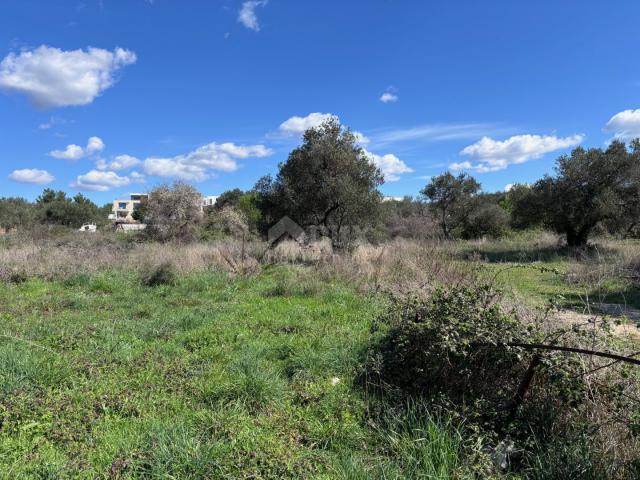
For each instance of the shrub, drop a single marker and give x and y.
(486, 219)
(455, 342)
(162, 274)
(455, 349)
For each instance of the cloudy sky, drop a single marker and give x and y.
(113, 96)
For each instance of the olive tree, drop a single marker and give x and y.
(328, 182)
(173, 212)
(447, 196)
(590, 186)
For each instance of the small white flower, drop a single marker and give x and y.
(335, 381)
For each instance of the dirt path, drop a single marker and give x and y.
(630, 317)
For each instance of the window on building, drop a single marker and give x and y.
(122, 205)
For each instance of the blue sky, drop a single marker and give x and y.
(113, 96)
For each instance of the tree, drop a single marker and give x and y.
(229, 198)
(56, 208)
(328, 182)
(447, 196)
(484, 217)
(173, 212)
(16, 213)
(589, 187)
(140, 211)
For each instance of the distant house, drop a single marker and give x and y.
(122, 210)
(208, 201)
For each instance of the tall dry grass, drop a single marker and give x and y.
(401, 266)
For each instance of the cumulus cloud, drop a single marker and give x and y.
(361, 138)
(390, 165)
(625, 125)
(76, 152)
(508, 187)
(298, 125)
(200, 163)
(491, 155)
(51, 77)
(247, 14)
(31, 175)
(388, 97)
(120, 162)
(101, 181)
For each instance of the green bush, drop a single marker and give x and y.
(162, 274)
(486, 220)
(455, 343)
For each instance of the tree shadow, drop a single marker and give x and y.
(542, 253)
(624, 297)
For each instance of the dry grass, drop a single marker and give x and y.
(401, 266)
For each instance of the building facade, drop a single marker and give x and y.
(122, 210)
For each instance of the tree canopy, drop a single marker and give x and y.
(590, 187)
(328, 182)
(448, 196)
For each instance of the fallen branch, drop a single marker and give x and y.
(583, 351)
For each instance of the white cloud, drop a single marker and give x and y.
(31, 175)
(491, 155)
(53, 121)
(298, 125)
(76, 152)
(390, 165)
(625, 125)
(169, 167)
(242, 151)
(101, 181)
(361, 138)
(247, 14)
(52, 77)
(95, 144)
(439, 132)
(120, 162)
(388, 97)
(72, 152)
(508, 187)
(198, 164)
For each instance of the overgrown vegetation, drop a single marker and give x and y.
(444, 337)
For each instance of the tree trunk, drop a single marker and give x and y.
(445, 230)
(578, 238)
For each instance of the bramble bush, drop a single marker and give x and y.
(456, 350)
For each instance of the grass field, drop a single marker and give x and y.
(212, 377)
(228, 371)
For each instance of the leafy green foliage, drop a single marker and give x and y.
(448, 197)
(590, 187)
(16, 213)
(453, 342)
(55, 208)
(327, 183)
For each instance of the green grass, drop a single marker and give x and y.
(539, 282)
(211, 377)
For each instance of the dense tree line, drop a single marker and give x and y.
(330, 186)
(51, 208)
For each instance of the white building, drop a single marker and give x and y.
(208, 201)
(122, 210)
